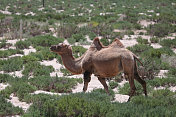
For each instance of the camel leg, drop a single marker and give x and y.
(141, 81)
(103, 82)
(87, 78)
(132, 86)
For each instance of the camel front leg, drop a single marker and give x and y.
(103, 82)
(87, 78)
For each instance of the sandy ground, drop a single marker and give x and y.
(15, 101)
(3, 86)
(162, 73)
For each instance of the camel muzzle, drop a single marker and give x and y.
(55, 48)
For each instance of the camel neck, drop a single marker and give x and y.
(72, 64)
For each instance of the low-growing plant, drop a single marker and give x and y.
(154, 40)
(78, 37)
(35, 69)
(65, 72)
(56, 84)
(22, 44)
(11, 65)
(78, 51)
(7, 53)
(142, 41)
(168, 43)
(113, 84)
(7, 109)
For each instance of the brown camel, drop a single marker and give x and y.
(103, 62)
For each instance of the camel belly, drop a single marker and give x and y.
(107, 68)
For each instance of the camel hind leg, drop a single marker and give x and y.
(139, 79)
(132, 85)
(103, 82)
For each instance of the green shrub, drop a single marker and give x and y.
(139, 48)
(12, 64)
(168, 43)
(22, 44)
(154, 40)
(44, 54)
(45, 41)
(78, 51)
(71, 40)
(3, 44)
(7, 109)
(113, 84)
(142, 41)
(5, 78)
(35, 69)
(29, 58)
(56, 84)
(65, 72)
(160, 30)
(78, 37)
(104, 41)
(7, 53)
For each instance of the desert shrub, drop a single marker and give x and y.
(104, 41)
(139, 89)
(45, 40)
(29, 58)
(92, 35)
(11, 65)
(129, 32)
(65, 72)
(172, 71)
(78, 50)
(154, 40)
(7, 53)
(44, 53)
(71, 40)
(160, 30)
(7, 109)
(3, 44)
(139, 48)
(123, 25)
(168, 43)
(78, 37)
(113, 84)
(35, 69)
(170, 59)
(162, 82)
(22, 44)
(56, 84)
(72, 105)
(142, 41)
(5, 78)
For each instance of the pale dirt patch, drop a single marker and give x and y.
(3, 86)
(162, 73)
(46, 92)
(15, 101)
(129, 43)
(173, 89)
(121, 98)
(159, 88)
(145, 23)
(174, 50)
(156, 45)
(28, 51)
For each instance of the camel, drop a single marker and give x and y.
(102, 61)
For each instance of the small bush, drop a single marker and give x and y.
(22, 44)
(168, 43)
(142, 41)
(7, 109)
(78, 37)
(113, 84)
(35, 69)
(45, 41)
(56, 84)
(154, 40)
(7, 53)
(104, 41)
(11, 65)
(78, 51)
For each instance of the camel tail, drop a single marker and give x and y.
(135, 57)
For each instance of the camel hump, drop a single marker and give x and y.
(117, 42)
(97, 44)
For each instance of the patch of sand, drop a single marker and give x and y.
(145, 23)
(46, 92)
(15, 101)
(156, 45)
(129, 43)
(3, 86)
(28, 51)
(162, 73)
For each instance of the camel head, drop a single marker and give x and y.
(61, 49)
